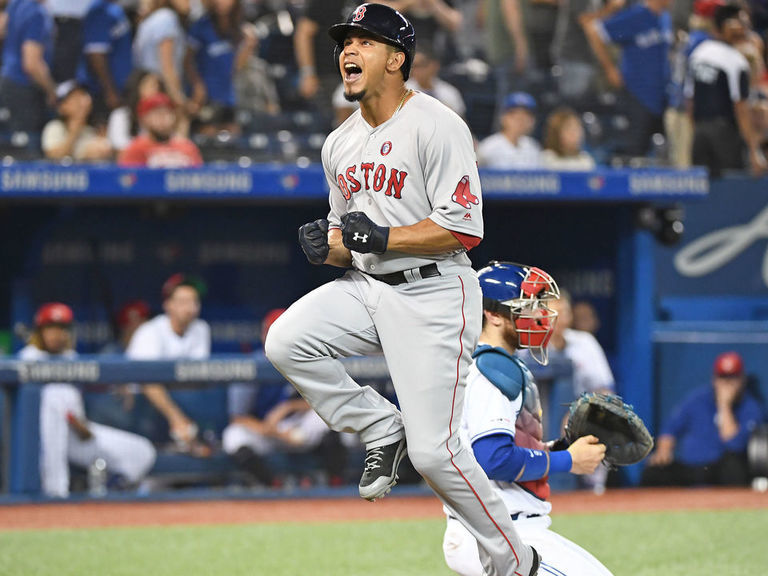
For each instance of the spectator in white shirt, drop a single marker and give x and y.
(178, 333)
(70, 135)
(424, 78)
(513, 147)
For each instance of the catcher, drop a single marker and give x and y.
(502, 423)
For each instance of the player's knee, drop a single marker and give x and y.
(428, 463)
(278, 344)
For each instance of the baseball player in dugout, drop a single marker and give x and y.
(66, 434)
(502, 423)
(178, 333)
(405, 207)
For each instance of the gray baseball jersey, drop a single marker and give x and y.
(418, 164)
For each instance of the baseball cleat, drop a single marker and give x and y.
(380, 473)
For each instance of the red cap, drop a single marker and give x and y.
(149, 103)
(132, 312)
(728, 364)
(54, 313)
(706, 8)
(269, 319)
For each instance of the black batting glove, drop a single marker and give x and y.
(361, 234)
(313, 237)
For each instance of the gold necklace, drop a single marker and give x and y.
(402, 100)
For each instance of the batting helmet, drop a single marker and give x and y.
(54, 313)
(522, 293)
(383, 22)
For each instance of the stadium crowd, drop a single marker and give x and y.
(542, 83)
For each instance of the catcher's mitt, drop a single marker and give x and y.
(626, 439)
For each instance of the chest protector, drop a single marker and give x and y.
(512, 377)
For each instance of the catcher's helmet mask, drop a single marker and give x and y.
(382, 22)
(522, 292)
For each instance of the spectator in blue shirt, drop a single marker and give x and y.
(26, 86)
(705, 440)
(219, 45)
(106, 62)
(644, 33)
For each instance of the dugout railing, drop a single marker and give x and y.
(20, 382)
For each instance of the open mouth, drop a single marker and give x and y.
(352, 72)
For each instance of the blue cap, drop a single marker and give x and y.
(520, 100)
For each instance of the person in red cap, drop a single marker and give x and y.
(66, 434)
(178, 333)
(705, 439)
(158, 146)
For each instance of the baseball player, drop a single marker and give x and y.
(66, 435)
(178, 333)
(502, 423)
(405, 206)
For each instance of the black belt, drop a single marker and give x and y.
(412, 275)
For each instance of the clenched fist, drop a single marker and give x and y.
(361, 234)
(313, 237)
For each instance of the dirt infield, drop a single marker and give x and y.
(103, 514)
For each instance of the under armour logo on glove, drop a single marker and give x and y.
(356, 231)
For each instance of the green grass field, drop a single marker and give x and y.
(732, 543)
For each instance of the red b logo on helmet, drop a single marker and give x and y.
(359, 13)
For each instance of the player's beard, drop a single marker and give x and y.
(354, 97)
(511, 337)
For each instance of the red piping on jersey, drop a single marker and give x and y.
(450, 426)
(466, 240)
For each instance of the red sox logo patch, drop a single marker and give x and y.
(463, 196)
(386, 148)
(359, 13)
